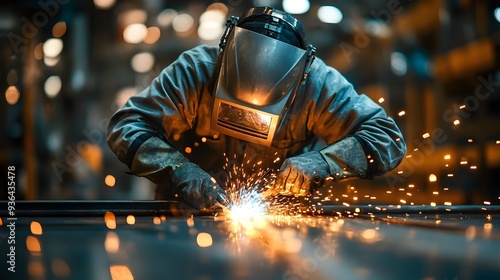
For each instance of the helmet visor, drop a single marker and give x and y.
(258, 79)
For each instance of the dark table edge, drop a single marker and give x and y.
(40, 208)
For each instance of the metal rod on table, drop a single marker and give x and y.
(80, 208)
(38, 208)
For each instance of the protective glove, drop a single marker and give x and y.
(299, 174)
(197, 187)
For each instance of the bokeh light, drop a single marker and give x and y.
(38, 51)
(33, 245)
(497, 14)
(296, 6)
(377, 28)
(152, 35)
(12, 95)
(142, 62)
(211, 24)
(432, 178)
(52, 86)
(204, 239)
(132, 16)
(50, 61)
(52, 47)
(110, 180)
(219, 7)
(131, 219)
(112, 242)
(59, 29)
(104, 4)
(36, 228)
(120, 272)
(36, 269)
(329, 14)
(123, 95)
(183, 23)
(166, 17)
(110, 220)
(399, 63)
(60, 268)
(135, 33)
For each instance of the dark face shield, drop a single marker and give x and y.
(258, 80)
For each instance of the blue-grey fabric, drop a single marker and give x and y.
(195, 186)
(360, 139)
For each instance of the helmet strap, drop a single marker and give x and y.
(311, 51)
(230, 24)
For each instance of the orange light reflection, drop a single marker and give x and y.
(112, 242)
(33, 245)
(120, 272)
(36, 228)
(110, 220)
(204, 239)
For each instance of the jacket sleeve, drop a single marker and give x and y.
(363, 141)
(137, 132)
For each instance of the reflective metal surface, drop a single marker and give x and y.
(259, 71)
(152, 244)
(246, 119)
(258, 79)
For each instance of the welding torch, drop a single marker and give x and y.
(223, 199)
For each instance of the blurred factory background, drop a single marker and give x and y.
(67, 65)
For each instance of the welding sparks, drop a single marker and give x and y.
(248, 206)
(248, 192)
(244, 193)
(432, 178)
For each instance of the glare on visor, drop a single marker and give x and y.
(244, 118)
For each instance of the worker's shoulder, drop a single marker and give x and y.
(202, 54)
(320, 67)
(322, 74)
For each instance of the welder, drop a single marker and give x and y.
(261, 99)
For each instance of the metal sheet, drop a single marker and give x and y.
(404, 245)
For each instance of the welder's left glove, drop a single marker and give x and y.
(299, 174)
(197, 187)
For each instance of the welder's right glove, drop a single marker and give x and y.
(300, 174)
(197, 187)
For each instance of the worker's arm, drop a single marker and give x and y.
(137, 132)
(363, 141)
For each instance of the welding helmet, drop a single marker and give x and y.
(263, 60)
